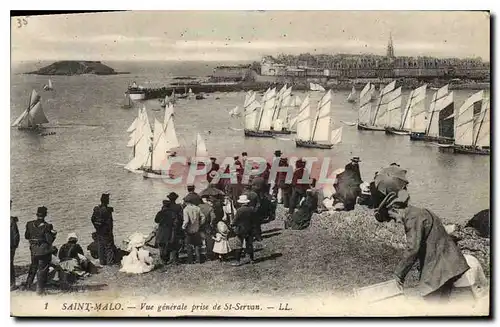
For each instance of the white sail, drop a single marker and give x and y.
(292, 123)
(352, 95)
(278, 125)
(312, 86)
(266, 117)
(483, 133)
(380, 114)
(142, 143)
(169, 112)
(251, 112)
(304, 121)
(50, 83)
(321, 128)
(190, 91)
(394, 108)
(418, 110)
(170, 134)
(297, 101)
(166, 99)
(201, 148)
(365, 106)
(406, 120)
(440, 104)
(37, 115)
(336, 137)
(464, 120)
(160, 147)
(320, 88)
(23, 120)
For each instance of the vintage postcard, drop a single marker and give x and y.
(250, 163)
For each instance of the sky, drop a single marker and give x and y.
(247, 35)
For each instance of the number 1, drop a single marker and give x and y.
(46, 305)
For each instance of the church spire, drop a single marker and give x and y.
(390, 47)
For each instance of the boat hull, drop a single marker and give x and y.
(137, 96)
(471, 150)
(310, 144)
(156, 175)
(250, 133)
(428, 138)
(363, 127)
(396, 131)
(281, 132)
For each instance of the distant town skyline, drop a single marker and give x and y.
(248, 35)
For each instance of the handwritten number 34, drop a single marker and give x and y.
(21, 22)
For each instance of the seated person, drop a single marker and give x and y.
(139, 260)
(93, 248)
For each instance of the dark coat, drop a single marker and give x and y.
(41, 235)
(102, 219)
(347, 186)
(244, 221)
(215, 167)
(167, 220)
(427, 241)
(210, 220)
(301, 218)
(14, 233)
(297, 176)
(70, 251)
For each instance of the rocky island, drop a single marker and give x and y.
(76, 68)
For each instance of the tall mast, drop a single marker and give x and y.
(406, 111)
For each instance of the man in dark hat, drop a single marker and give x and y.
(14, 244)
(166, 235)
(102, 219)
(208, 229)
(348, 185)
(298, 188)
(41, 235)
(244, 157)
(192, 196)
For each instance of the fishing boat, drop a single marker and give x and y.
(128, 102)
(439, 129)
(352, 96)
(258, 119)
(151, 148)
(320, 136)
(472, 126)
(48, 87)
(33, 116)
(394, 116)
(365, 106)
(378, 114)
(316, 87)
(136, 92)
(280, 119)
(235, 112)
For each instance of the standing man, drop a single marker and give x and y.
(208, 229)
(193, 220)
(192, 196)
(41, 235)
(214, 168)
(298, 188)
(102, 219)
(243, 226)
(14, 244)
(166, 219)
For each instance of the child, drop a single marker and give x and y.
(221, 245)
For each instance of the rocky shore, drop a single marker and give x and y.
(340, 251)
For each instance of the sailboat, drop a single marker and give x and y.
(320, 135)
(394, 116)
(352, 96)
(165, 102)
(280, 124)
(378, 114)
(32, 117)
(48, 87)
(200, 150)
(365, 107)
(128, 102)
(316, 87)
(374, 93)
(296, 102)
(258, 122)
(439, 129)
(472, 126)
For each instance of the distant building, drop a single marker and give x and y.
(233, 73)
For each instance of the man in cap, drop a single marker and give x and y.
(243, 226)
(192, 196)
(193, 220)
(14, 244)
(207, 231)
(102, 219)
(41, 235)
(441, 262)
